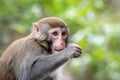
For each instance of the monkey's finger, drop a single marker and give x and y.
(79, 48)
(76, 55)
(79, 51)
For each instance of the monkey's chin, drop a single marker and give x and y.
(55, 52)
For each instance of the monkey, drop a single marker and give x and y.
(39, 54)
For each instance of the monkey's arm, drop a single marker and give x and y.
(42, 67)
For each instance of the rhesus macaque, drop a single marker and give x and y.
(39, 54)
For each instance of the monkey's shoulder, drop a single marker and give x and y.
(23, 46)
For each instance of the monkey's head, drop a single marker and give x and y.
(51, 33)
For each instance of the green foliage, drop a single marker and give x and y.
(94, 25)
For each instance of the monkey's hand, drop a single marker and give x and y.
(74, 50)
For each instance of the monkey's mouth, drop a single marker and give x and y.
(57, 50)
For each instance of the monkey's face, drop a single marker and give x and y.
(58, 37)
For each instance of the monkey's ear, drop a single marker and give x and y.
(36, 30)
(40, 30)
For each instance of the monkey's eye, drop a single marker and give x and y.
(64, 33)
(55, 33)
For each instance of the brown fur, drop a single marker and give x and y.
(29, 58)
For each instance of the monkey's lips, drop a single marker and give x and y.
(57, 50)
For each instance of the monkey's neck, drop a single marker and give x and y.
(44, 44)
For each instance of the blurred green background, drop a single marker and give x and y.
(94, 25)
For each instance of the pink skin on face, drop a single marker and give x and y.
(58, 37)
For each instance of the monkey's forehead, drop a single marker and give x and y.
(53, 22)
